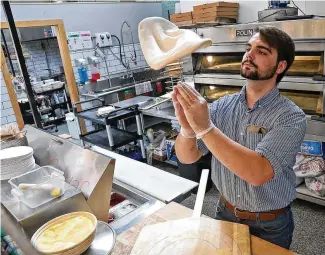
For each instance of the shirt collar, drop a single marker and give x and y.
(263, 101)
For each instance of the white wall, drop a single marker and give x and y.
(93, 17)
(248, 9)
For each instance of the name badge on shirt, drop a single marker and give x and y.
(256, 129)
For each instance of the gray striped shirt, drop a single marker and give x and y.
(285, 124)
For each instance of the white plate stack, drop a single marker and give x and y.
(16, 161)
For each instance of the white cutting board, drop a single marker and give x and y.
(201, 236)
(195, 235)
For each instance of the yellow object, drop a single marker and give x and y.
(65, 234)
(55, 192)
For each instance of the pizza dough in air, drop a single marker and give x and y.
(162, 42)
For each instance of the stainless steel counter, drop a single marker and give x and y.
(132, 101)
(165, 113)
(148, 187)
(147, 206)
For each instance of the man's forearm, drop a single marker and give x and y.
(187, 150)
(245, 163)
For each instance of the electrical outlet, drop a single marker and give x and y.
(103, 39)
(79, 40)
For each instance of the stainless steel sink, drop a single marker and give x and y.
(131, 195)
(146, 206)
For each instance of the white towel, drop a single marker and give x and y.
(143, 87)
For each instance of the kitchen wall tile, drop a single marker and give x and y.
(4, 90)
(11, 118)
(6, 104)
(4, 120)
(7, 112)
(115, 50)
(112, 69)
(5, 98)
(110, 57)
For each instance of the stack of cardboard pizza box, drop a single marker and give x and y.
(215, 12)
(182, 19)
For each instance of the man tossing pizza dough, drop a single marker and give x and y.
(254, 137)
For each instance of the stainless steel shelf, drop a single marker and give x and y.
(147, 123)
(120, 137)
(166, 113)
(304, 194)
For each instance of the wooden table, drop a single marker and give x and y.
(174, 211)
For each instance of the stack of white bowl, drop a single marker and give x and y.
(16, 161)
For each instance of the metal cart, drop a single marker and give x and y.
(51, 123)
(110, 137)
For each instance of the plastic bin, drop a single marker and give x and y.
(38, 186)
(72, 125)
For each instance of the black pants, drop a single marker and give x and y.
(193, 171)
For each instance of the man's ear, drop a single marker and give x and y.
(282, 65)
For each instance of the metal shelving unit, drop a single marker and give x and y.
(54, 120)
(100, 138)
(111, 137)
(305, 194)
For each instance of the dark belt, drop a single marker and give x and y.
(246, 215)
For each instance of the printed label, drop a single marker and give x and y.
(313, 148)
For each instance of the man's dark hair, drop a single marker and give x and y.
(280, 41)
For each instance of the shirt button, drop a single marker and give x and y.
(241, 133)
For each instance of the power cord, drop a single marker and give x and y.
(117, 57)
(262, 18)
(298, 7)
(120, 47)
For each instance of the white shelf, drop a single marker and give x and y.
(304, 194)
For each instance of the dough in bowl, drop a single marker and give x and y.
(64, 235)
(162, 42)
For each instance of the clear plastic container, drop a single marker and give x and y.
(38, 186)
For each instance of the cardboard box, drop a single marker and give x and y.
(217, 4)
(186, 16)
(160, 157)
(170, 144)
(183, 23)
(215, 9)
(216, 14)
(215, 19)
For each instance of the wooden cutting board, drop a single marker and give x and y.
(193, 236)
(173, 211)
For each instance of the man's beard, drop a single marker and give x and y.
(254, 75)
